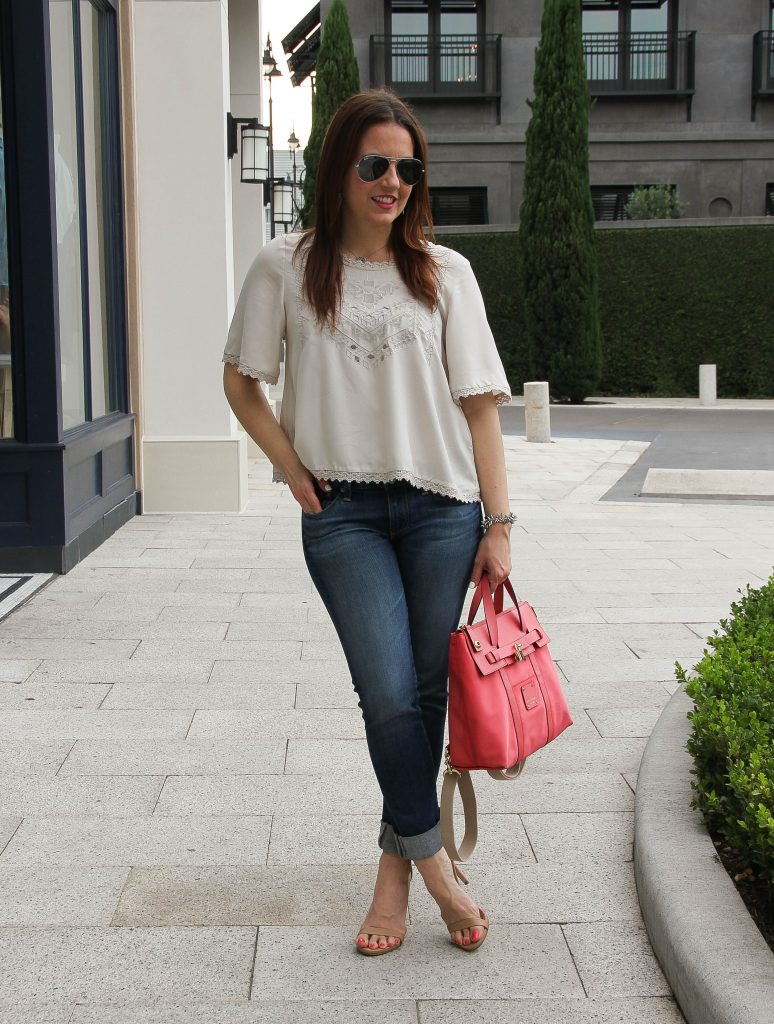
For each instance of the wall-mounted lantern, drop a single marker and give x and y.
(255, 148)
(283, 201)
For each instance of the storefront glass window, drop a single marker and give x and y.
(67, 213)
(95, 209)
(6, 391)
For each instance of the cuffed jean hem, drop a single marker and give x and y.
(410, 847)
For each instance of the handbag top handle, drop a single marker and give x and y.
(492, 609)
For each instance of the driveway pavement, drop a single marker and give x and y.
(187, 811)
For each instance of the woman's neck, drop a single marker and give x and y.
(366, 244)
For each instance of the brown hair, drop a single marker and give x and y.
(321, 244)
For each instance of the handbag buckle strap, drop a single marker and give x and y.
(449, 768)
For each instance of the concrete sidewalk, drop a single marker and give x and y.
(187, 811)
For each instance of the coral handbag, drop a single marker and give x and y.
(505, 702)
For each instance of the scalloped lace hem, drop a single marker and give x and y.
(250, 371)
(447, 490)
(501, 397)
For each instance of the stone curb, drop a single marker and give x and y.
(715, 959)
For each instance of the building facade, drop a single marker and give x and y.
(124, 233)
(683, 95)
(126, 230)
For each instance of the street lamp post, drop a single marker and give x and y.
(293, 145)
(270, 71)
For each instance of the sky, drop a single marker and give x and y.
(290, 106)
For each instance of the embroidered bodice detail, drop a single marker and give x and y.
(378, 316)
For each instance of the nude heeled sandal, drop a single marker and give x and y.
(471, 922)
(378, 926)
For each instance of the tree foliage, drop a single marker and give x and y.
(557, 216)
(654, 202)
(337, 79)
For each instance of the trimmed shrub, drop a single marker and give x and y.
(670, 299)
(732, 742)
(654, 202)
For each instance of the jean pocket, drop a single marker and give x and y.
(327, 500)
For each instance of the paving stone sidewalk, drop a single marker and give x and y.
(187, 811)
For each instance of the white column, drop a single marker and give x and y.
(708, 388)
(245, 55)
(536, 411)
(194, 458)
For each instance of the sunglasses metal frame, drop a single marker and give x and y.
(397, 160)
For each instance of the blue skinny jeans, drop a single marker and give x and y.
(392, 564)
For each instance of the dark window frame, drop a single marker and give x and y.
(628, 40)
(113, 226)
(474, 193)
(31, 212)
(624, 8)
(430, 47)
(433, 8)
(768, 209)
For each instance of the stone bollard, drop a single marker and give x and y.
(708, 388)
(536, 411)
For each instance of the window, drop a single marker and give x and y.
(436, 42)
(628, 39)
(435, 17)
(6, 388)
(458, 206)
(609, 201)
(626, 16)
(769, 211)
(88, 208)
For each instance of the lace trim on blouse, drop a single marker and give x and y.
(353, 261)
(385, 478)
(250, 371)
(501, 397)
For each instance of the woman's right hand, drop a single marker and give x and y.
(301, 483)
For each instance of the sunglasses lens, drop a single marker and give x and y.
(410, 171)
(369, 168)
(372, 167)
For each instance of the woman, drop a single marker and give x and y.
(389, 440)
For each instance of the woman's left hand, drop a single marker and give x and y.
(493, 556)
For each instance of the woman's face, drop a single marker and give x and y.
(369, 204)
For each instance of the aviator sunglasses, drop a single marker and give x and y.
(373, 166)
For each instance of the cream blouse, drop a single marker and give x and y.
(377, 397)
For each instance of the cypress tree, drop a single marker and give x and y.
(557, 217)
(337, 79)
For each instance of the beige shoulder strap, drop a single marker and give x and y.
(451, 780)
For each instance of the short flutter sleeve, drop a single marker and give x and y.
(473, 364)
(257, 328)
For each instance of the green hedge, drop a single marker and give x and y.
(670, 299)
(732, 742)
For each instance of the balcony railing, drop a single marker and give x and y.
(763, 67)
(437, 66)
(640, 64)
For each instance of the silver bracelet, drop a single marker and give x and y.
(487, 521)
